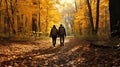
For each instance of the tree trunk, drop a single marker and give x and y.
(105, 23)
(12, 25)
(80, 28)
(8, 16)
(34, 25)
(18, 24)
(97, 16)
(75, 6)
(39, 23)
(114, 17)
(0, 16)
(91, 17)
(47, 21)
(12, 12)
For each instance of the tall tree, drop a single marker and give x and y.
(39, 23)
(76, 8)
(114, 17)
(91, 17)
(47, 15)
(8, 16)
(94, 28)
(13, 5)
(0, 12)
(10, 10)
(97, 16)
(34, 23)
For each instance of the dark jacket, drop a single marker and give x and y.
(51, 32)
(63, 30)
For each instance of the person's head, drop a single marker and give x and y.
(54, 26)
(61, 25)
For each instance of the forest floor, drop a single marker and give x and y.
(41, 53)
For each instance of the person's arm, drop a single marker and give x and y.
(51, 33)
(65, 31)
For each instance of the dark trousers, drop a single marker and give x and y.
(54, 40)
(61, 40)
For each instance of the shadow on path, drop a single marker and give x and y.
(54, 55)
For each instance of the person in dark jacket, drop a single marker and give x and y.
(62, 34)
(54, 34)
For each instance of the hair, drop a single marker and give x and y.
(54, 26)
(60, 24)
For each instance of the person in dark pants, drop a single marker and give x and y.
(62, 34)
(54, 34)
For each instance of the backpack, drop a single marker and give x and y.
(54, 31)
(61, 31)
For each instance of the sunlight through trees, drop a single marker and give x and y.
(80, 17)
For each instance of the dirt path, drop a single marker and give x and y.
(75, 53)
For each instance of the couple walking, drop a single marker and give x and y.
(54, 33)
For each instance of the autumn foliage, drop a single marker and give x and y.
(23, 18)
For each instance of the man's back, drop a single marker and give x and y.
(54, 31)
(62, 31)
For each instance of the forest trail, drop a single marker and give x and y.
(41, 53)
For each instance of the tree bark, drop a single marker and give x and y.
(12, 5)
(76, 6)
(46, 21)
(0, 15)
(39, 23)
(114, 17)
(97, 16)
(8, 16)
(91, 17)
